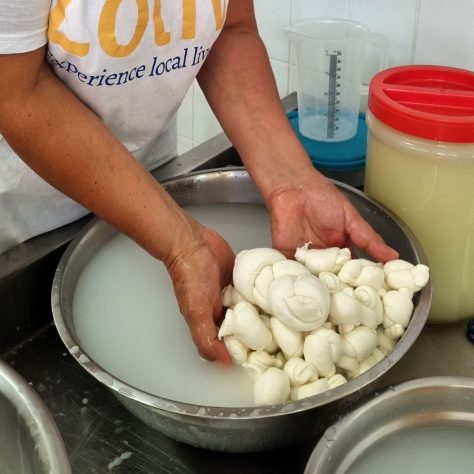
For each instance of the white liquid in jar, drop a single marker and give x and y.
(430, 450)
(128, 321)
(433, 196)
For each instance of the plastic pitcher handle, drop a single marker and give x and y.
(375, 56)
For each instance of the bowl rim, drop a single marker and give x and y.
(38, 420)
(332, 439)
(155, 402)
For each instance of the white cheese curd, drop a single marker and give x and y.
(327, 317)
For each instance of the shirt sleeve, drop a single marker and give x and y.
(23, 25)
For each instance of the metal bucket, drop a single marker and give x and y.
(234, 429)
(29, 439)
(422, 403)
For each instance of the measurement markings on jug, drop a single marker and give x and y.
(333, 92)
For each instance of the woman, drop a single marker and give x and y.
(88, 92)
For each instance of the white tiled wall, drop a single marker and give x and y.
(419, 31)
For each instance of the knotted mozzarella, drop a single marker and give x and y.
(372, 307)
(230, 296)
(237, 350)
(322, 260)
(402, 274)
(273, 347)
(244, 322)
(360, 271)
(376, 356)
(384, 343)
(258, 362)
(336, 380)
(256, 269)
(349, 365)
(288, 340)
(334, 339)
(300, 371)
(271, 387)
(345, 309)
(332, 282)
(359, 343)
(398, 308)
(271, 273)
(247, 267)
(323, 348)
(310, 389)
(301, 302)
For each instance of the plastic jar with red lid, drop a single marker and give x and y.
(420, 165)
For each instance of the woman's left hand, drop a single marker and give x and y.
(315, 211)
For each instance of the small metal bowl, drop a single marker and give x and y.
(29, 439)
(234, 429)
(430, 402)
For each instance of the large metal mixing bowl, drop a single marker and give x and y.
(234, 429)
(30, 442)
(428, 402)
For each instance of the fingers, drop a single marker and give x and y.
(365, 237)
(198, 278)
(204, 334)
(201, 311)
(379, 250)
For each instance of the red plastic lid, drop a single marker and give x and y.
(432, 102)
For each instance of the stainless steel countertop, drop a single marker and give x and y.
(98, 430)
(441, 349)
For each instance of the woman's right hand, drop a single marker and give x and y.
(200, 265)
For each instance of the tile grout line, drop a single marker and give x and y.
(416, 22)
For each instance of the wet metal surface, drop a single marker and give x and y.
(101, 436)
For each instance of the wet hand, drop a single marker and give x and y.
(199, 269)
(315, 211)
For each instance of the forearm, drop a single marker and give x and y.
(70, 147)
(238, 82)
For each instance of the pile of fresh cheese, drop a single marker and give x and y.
(303, 326)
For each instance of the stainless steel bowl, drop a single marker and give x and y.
(234, 429)
(416, 404)
(29, 439)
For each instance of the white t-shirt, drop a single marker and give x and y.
(131, 61)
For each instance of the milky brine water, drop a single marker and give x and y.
(127, 319)
(430, 450)
(15, 453)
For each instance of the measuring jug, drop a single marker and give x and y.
(331, 54)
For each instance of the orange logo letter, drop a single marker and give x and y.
(107, 23)
(56, 17)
